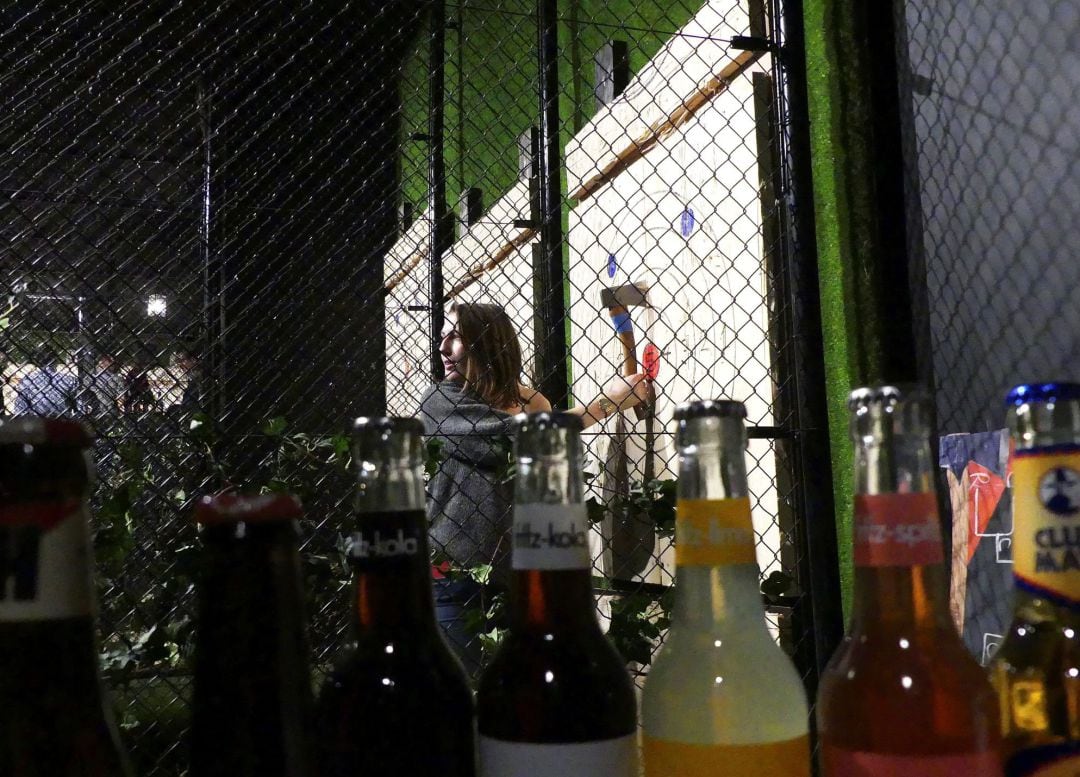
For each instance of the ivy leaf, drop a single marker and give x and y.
(275, 427)
(776, 584)
(596, 511)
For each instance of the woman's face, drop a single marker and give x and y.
(452, 349)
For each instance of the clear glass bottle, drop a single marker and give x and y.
(398, 701)
(1037, 669)
(556, 699)
(721, 697)
(902, 696)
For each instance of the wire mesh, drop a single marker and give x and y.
(994, 139)
(220, 224)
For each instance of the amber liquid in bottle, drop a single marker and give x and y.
(556, 699)
(902, 696)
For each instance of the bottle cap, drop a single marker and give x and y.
(387, 424)
(232, 508)
(1050, 391)
(724, 408)
(553, 420)
(44, 430)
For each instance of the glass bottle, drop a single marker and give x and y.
(54, 717)
(902, 696)
(1037, 669)
(251, 710)
(556, 699)
(398, 701)
(721, 697)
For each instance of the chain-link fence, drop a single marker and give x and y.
(988, 88)
(231, 227)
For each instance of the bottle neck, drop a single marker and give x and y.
(900, 575)
(392, 571)
(251, 601)
(727, 595)
(717, 577)
(552, 600)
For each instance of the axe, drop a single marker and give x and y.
(632, 537)
(619, 300)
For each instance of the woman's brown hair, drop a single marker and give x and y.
(492, 353)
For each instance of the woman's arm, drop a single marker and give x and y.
(620, 394)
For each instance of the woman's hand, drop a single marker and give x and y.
(626, 391)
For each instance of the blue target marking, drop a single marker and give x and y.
(687, 222)
(612, 265)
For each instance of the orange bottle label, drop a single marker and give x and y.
(790, 758)
(713, 532)
(897, 530)
(847, 763)
(1046, 533)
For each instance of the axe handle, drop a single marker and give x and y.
(629, 349)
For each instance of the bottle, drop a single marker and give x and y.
(556, 699)
(902, 696)
(399, 701)
(251, 709)
(721, 697)
(54, 718)
(1037, 669)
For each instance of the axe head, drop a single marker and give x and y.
(629, 295)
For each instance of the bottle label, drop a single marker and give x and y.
(44, 562)
(846, 763)
(1049, 761)
(897, 530)
(713, 532)
(608, 758)
(551, 537)
(385, 536)
(1046, 535)
(790, 758)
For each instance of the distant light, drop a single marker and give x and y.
(906, 681)
(156, 305)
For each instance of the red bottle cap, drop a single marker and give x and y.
(43, 430)
(231, 508)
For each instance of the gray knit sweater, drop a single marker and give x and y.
(468, 502)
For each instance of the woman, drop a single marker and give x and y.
(470, 412)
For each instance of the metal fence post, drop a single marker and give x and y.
(551, 350)
(440, 236)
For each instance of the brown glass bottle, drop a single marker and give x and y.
(251, 712)
(556, 699)
(54, 720)
(902, 696)
(398, 702)
(1036, 671)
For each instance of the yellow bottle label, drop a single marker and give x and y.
(790, 758)
(713, 532)
(1046, 536)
